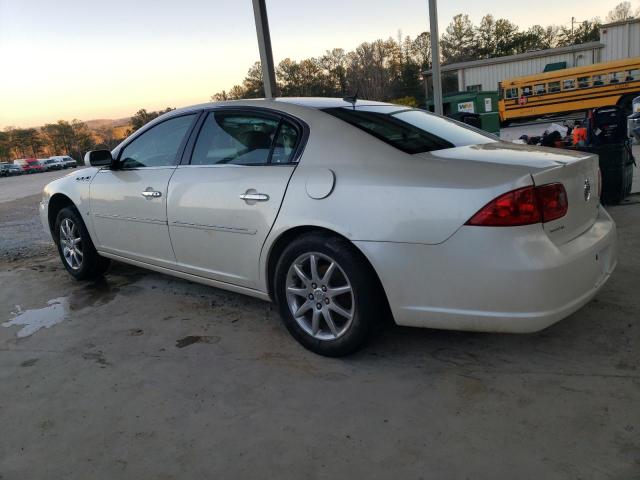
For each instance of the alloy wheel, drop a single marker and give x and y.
(71, 243)
(320, 296)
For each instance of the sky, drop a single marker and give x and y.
(65, 59)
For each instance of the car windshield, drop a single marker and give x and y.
(411, 130)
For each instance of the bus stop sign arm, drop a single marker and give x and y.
(264, 45)
(435, 58)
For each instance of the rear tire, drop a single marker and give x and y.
(330, 310)
(76, 250)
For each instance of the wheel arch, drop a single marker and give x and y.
(57, 202)
(280, 243)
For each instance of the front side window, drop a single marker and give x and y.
(409, 130)
(511, 93)
(158, 146)
(244, 139)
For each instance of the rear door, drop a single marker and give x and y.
(224, 202)
(129, 204)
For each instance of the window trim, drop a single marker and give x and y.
(150, 126)
(302, 127)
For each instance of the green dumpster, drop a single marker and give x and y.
(482, 102)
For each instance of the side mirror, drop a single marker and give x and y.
(98, 158)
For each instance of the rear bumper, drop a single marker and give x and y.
(494, 279)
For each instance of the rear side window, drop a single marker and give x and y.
(244, 139)
(412, 131)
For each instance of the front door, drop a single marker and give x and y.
(129, 204)
(224, 203)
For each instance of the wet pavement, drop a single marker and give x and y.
(140, 375)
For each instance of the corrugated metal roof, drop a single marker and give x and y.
(520, 56)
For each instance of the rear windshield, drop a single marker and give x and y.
(410, 130)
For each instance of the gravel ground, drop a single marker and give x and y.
(144, 376)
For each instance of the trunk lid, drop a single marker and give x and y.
(577, 171)
(580, 180)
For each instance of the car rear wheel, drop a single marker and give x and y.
(327, 294)
(77, 252)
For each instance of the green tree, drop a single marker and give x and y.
(142, 117)
(458, 43)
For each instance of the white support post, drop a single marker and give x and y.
(435, 58)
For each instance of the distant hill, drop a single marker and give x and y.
(107, 122)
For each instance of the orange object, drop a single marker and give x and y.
(579, 134)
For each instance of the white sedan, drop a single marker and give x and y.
(343, 212)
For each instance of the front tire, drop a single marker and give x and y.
(77, 252)
(327, 294)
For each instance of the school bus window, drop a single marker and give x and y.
(597, 81)
(554, 87)
(511, 93)
(539, 89)
(584, 82)
(633, 75)
(526, 91)
(616, 77)
(568, 84)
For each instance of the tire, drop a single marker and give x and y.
(76, 250)
(318, 296)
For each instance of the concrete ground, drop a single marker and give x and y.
(143, 376)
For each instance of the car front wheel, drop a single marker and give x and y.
(77, 252)
(327, 294)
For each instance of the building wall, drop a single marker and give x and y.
(620, 41)
(489, 75)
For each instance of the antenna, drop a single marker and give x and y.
(352, 99)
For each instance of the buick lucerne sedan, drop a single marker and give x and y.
(343, 212)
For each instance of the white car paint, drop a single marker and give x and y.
(406, 213)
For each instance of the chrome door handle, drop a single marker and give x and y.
(148, 193)
(251, 196)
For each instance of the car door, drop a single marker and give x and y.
(129, 203)
(224, 202)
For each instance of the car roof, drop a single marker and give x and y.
(309, 102)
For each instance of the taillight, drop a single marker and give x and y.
(523, 206)
(553, 201)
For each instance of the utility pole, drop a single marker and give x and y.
(435, 58)
(264, 45)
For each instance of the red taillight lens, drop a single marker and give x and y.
(518, 207)
(523, 206)
(553, 201)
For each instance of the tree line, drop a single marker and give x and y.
(391, 70)
(73, 138)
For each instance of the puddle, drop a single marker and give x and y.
(33, 320)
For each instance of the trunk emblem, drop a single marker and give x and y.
(587, 190)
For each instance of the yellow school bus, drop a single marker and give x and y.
(570, 90)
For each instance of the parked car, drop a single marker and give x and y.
(29, 165)
(51, 164)
(9, 169)
(342, 212)
(67, 161)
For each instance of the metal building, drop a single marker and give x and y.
(617, 40)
